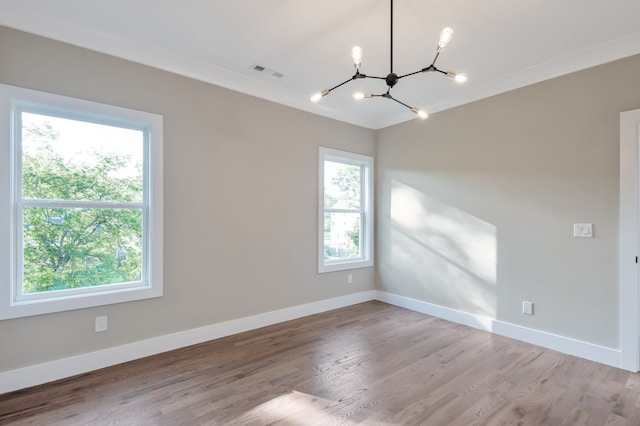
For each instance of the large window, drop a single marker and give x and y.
(346, 213)
(82, 194)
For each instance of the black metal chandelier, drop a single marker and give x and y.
(392, 78)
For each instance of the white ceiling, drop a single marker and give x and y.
(500, 44)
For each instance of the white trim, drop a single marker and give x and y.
(42, 373)
(628, 238)
(453, 315)
(54, 370)
(567, 345)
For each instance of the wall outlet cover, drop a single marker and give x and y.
(101, 324)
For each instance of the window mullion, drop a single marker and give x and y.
(332, 210)
(81, 204)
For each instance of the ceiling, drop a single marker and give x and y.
(499, 44)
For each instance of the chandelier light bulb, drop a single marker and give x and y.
(461, 78)
(360, 95)
(421, 113)
(315, 98)
(356, 55)
(458, 77)
(445, 37)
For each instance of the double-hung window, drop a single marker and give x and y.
(81, 197)
(345, 223)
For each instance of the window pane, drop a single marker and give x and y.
(68, 248)
(341, 185)
(68, 159)
(341, 236)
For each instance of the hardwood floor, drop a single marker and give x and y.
(370, 364)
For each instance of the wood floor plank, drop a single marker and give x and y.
(367, 364)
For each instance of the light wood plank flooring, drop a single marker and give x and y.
(368, 364)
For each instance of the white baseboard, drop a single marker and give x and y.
(54, 370)
(567, 345)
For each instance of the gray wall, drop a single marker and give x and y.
(476, 206)
(240, 201)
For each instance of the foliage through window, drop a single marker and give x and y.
(81, 230)
(67, 244)
(346, 212)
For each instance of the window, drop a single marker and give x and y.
(345, 221)
(81, 203)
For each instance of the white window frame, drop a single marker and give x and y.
(366, 210)
(13, 100)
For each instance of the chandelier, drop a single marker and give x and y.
(392, 78)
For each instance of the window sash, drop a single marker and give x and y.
(19, 283)
(336, 246)
(22, 202)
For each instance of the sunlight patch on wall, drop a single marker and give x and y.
(445, 250)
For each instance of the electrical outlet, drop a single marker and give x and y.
(350, 279)
(527, 307)
(101, 324)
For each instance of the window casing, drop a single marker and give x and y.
(345, 220)
(81, 197)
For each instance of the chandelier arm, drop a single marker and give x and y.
(412, 73)
(388, 96)
(355, 76)
(435, 58)
(391, 39)
(425, 69)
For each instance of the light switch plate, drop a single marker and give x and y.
(583, 230)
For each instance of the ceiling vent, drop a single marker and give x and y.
(267, 71)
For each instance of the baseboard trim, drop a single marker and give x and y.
(567, 345)
(33, 375)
